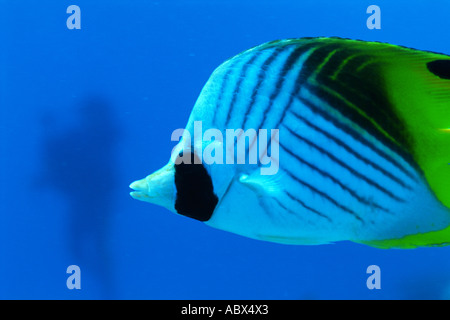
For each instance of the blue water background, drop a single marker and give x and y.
(85, 112)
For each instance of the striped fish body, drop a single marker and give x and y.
(360, 157)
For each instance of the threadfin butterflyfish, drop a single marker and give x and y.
(362, 150)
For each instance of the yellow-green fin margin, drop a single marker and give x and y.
(422, 99)
(430, 239)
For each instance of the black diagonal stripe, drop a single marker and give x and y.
(367, 96)
(364, 122)
(290, 62)
(364, 89)
(308, 67)
(351, 151)
(336, 100)
(303, 73)
(300, 202)
(242, 76)
(336, 181)
(345, 166)
(336, 61)
(356, 135)
(323, 195)
(287, 66)
(317, 57)
(314, 60)
(223, 88)
(360, 91)
(261, 77)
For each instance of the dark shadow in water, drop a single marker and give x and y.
(79, 161)
(434, 286)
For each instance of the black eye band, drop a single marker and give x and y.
(441, 68)
(195, 192)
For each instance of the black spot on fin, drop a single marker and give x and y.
(441, 68)
(195, 192)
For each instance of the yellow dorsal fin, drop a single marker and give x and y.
(421, 96)
(417, 84)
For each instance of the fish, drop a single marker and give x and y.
(357, 133)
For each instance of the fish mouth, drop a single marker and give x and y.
(157, 188)
(140, 189)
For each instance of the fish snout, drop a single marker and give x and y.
(140, 188)
(157, 188)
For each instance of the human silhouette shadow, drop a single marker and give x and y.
(79, 162)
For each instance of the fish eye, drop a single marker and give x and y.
(187, 157)
(440, 68)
